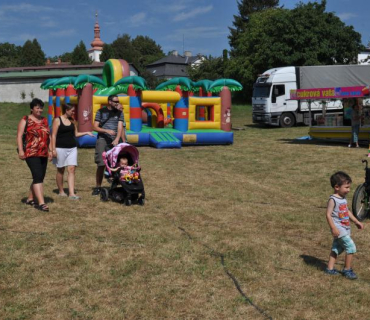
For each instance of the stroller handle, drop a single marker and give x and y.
(365, 161)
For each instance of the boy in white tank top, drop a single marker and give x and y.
(339, 217)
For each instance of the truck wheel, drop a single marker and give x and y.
(287, 120)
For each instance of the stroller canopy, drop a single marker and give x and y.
(122, 149)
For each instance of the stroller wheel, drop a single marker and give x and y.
(141, 201)
(128, 202)
(104, 194)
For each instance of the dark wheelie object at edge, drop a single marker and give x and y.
(360, 201)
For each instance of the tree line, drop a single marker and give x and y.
(32, 55)
(140, 51)
(266, 35)
(263, 35)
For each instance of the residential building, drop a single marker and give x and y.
(25, 81)
(174, 65)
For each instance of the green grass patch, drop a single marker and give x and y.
(259, 202)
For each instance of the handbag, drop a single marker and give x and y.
(24, 136)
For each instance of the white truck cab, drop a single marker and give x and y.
(271, 99)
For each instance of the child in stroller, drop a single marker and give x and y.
(122, 164)
(128, 174)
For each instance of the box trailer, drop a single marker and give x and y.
(271, 92)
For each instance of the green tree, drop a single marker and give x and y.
(53, 59)
(80, 55)
(32, 54)
(66, 57)
(148, 50)
(124, 49)
(211, 68)
(246, 8)
(150, 79)
(107, 53)
(140, 51)
(9, 55)
(23, 95)
(306, 35)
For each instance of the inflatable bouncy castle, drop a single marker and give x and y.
(179, 112)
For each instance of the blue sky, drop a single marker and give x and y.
(202, 24)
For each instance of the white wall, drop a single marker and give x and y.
(95, 55)
(10, 91)
(362, 56)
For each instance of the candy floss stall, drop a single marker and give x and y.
(335, 125)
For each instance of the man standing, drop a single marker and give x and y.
(110, 125)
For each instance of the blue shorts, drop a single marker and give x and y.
(343, 244)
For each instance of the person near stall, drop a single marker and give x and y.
(355, 123)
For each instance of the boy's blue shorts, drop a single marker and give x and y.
(343, 244)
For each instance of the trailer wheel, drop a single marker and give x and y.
(287, 120)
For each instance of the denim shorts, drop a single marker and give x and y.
(343, 244)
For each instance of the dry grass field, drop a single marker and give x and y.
(227, 232)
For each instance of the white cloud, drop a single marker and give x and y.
(347, 15)
(14, 15)
(170, 6)
(197, 33)
(62, 33)
(23, 37)
(138, 19)
(192, 13)
(110, 23)
(176, 7)
(24, 7)
(47, 22)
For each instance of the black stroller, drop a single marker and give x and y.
(129, 190)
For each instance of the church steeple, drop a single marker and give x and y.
(97, 44)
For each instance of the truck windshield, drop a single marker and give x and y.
(261, 91)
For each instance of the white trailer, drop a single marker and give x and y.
(271, 92)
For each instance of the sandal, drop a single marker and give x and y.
(31, 203)
(74, 197)
(42, 207)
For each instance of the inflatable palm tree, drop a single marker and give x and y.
(124, 85)
(85, 84)
(224, 88)
(179, 84)
(202, 86)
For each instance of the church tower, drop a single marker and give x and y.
(96, 44)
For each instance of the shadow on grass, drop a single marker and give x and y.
(317, 142)
(269, 127)
(56, 191)
(313, 261)
(260, 126)
(47, 200)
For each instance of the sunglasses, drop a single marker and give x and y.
(115, 101)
